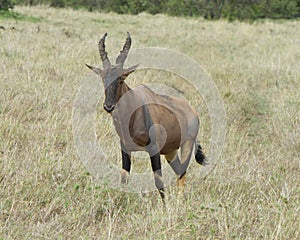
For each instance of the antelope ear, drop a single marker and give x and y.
(128, 71)
(95, 69)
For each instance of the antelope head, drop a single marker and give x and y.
(113, 76)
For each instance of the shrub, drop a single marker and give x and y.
(6, 5)
(209, 9)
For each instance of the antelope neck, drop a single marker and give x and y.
(122, 90)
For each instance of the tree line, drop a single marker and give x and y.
(209, 9)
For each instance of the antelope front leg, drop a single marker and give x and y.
(156, 167)
(126, 164)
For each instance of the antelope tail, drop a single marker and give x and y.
(199, 155)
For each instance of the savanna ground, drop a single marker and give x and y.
(46, 192)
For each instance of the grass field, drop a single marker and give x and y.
(45, 190)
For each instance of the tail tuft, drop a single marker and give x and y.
(200, 157)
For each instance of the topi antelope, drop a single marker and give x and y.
(146, 121)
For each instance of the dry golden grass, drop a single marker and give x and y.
(46, 193)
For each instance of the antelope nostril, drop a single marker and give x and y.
(109, 108)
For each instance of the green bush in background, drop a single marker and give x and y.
(6, 5)
(209, 9)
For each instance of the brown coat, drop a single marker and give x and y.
(139, 108)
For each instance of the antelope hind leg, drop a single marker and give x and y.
(186, 153)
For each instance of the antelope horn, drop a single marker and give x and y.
(103, 53)
(123, 54)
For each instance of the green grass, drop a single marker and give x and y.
(7, 14)
(45, 190)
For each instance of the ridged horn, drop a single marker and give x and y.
(123, 54)
(103, 53)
